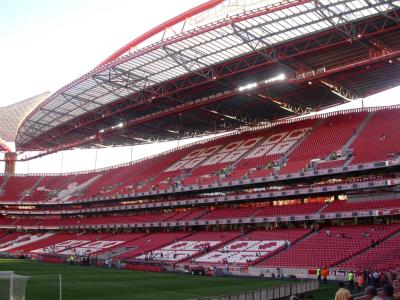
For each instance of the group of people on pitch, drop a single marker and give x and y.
(358, 280)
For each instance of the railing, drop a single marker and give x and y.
(271, 293)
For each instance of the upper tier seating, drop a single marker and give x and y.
(246, 155)
(277, 143)
(108, 182)
(59, 188)
(16, 187)
(330, 136)
(77, 186)
(48, 187)
(214, 161)
(380, 138)
(159, 172)
(261, 161)
(330, 246)
(214, 166)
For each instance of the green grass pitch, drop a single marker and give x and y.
(101, 284)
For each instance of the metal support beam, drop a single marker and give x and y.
(391, 14)
(308, 45)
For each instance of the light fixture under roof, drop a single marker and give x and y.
(279, 77)
(248, 86)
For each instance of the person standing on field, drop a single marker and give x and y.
(325, 274)
(359, 282)
(319, 274)
(350, 277)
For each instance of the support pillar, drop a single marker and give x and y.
(10, 160)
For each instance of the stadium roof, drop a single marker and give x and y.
(12, 116)
(265, 63)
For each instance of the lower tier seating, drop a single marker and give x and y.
(250, 247)
(43, 243)
(356, 247)
(189, 247)
(330, 246)
(71, 244)
(24, 240)
(76, 244)
(383, 257)
(149, 243)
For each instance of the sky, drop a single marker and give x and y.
(46, 44)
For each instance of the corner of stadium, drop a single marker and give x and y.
(277, 199)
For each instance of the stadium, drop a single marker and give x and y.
(276, 198)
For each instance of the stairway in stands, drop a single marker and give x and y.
(232, 167)
(29, 192)
(361, 253)
(3, 184)
(114, 252)
(221, 245)
(346, 147)
(360, 128)
(118, 250)
(322, 208)
(304, 238)
(189, 172)
(285, 157)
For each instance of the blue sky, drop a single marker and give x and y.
(47, 44)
